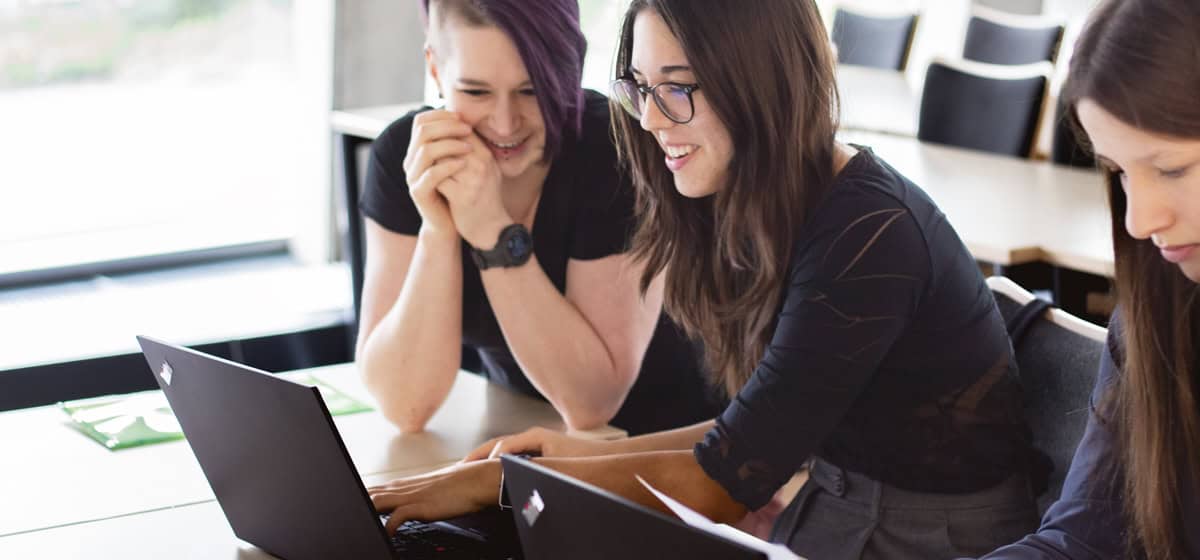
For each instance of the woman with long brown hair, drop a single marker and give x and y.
(837, 306)
(1134, 485)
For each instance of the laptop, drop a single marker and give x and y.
(561, 517)
(282, 476)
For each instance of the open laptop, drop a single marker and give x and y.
(281, 473)
(561, 517)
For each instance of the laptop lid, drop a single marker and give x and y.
(561, 517)
(272, 456)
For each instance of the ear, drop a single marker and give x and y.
(431, 65)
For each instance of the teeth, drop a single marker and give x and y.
(677, 152)
(504, 146)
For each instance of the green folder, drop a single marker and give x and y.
(122, 421)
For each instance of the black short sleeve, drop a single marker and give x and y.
(385, 197)
(602, 220)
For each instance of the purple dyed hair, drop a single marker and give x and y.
(552, 46)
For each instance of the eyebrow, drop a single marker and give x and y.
(669, 69)
(480, 83)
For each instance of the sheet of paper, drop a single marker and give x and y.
(691, 517)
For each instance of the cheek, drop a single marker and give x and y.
(469, 109)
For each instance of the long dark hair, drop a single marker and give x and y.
(767, 71)
(1138, 60)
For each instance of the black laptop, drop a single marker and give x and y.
(561, 517)
(281, 473)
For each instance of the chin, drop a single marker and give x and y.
(1191, 270)
(693, 189)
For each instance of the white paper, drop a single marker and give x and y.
(691, 517)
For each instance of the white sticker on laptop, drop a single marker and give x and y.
(533, 508)
(165, 372)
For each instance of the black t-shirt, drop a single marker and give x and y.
(889, 358)
(585, 212)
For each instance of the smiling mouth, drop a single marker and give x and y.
(679, 152)
(504, 145)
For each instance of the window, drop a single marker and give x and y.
(149, 127)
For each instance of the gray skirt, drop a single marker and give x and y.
(843, 515)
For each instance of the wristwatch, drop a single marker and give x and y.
(513, 249)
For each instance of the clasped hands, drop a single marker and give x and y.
(454, 180)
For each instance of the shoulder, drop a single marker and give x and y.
(866, 194)
(592, 159)
(397, 134)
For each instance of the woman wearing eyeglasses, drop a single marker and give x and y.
(499, 224)
(839, 309)
(1133, 490)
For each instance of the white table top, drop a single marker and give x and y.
(877, 100)
(1008, 210)
(51, 475)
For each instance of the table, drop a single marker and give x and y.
(877, 100)
(57, 484)
(1008, 211)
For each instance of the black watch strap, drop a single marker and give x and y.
(513, 248)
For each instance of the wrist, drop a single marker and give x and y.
(485, 235)
(433, 236)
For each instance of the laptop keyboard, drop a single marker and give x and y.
(417, 540)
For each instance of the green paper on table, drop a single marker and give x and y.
(122, 421)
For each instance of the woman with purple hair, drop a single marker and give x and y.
(497, 226)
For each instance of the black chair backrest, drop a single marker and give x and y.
(996, 43)
(1058, 366)
(964, 108)
(880, 42)
(1067, 149)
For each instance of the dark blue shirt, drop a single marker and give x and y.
(889, 356)
(1088, 520)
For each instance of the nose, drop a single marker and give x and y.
(653, 117)
(1148, 208)
(505, 117)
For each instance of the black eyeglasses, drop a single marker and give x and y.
(674, 100)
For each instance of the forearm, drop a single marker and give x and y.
(675, 473)
(411, 357)
(678, 439)
(559, 351)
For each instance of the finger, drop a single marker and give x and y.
(437, 174)
(482, 451)
(410, 512)
(430, 153)
(436, 130)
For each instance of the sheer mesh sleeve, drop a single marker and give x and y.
(855, 283)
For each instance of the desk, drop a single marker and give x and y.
(53, 477)
(1008, 211)
(877, 100)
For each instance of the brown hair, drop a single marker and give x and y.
(1137, 60)
(767, 71)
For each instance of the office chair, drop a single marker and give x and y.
(997, 37)
(1058, 355)
(985, 107)
(879, 42)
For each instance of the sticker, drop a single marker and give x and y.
(533, 508)
(166, 373)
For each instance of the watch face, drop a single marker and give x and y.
(520, 244)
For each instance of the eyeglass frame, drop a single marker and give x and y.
(688, 89)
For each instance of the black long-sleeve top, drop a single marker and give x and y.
(889, 357)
